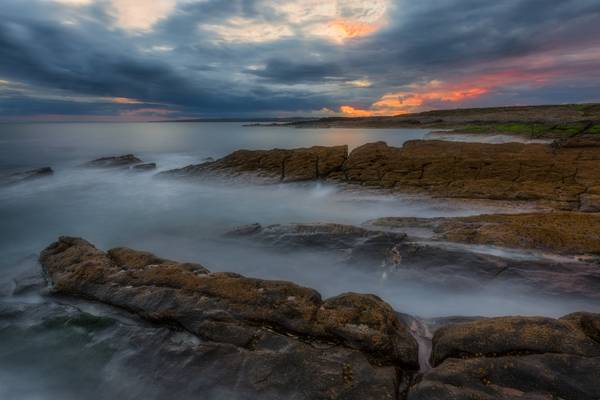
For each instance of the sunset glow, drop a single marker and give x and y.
(438, 94)
(343, 29)
(125, 100)
(411, 101)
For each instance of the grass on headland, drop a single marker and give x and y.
(587, 109)
(532, 129)
(595, 129)
(504, 128)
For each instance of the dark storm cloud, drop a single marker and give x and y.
(283, 71)
(180, 65)
(49, 56)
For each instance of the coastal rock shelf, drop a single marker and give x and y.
(434, 263)
(286, 339)
(274, 339)
(569, 233)
(565, 176)
(317, 162)
(514, 358)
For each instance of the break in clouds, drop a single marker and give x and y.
(134, 60)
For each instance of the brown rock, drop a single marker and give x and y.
(226, 307)
(533, 377)
(166, 362)
(558, 232)
(509, 171)
(495, 337)
(515, 358)
(272, 165)
(556, 176)
(273, 339)
(589, 323)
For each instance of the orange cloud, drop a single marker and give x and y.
(419, 97)
(334, 20)
(359, 112)
(125, 100)
(147, 111)
(410, 101)
(342, 29)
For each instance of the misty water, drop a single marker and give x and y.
(185, 221)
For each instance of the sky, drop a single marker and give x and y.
(138, 60)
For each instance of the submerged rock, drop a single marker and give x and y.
(21, 278)
(355, 243)
(436, 264)
(515, 357)
(144, 167)
(277, 338)
(563, 177)
(558, 232)
(17, 177)
(113, 161)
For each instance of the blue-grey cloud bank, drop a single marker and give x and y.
(131, 60)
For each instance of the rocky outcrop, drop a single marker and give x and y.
(144, 167)
(127, 161)
(253, 338)
(495, 337)
(284, 337)
(17, 177)
(357, 243)
(272, 165)
(427, 262)
(563, 177)
(557, 232)
(515, 357)
(114, 161)
(560, 177)
(130, 359)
